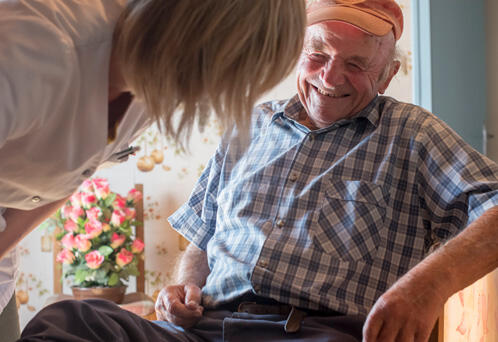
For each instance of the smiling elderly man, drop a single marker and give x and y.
(319, 227)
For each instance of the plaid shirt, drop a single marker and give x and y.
(330, 218)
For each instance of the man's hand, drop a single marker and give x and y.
(406, 312)
(180, 305)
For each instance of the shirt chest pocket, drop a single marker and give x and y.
(350, 223)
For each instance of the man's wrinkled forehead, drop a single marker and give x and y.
(319, 35)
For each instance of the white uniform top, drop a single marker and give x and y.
(54, 67)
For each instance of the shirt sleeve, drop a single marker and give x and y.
(196, 219)
(36, 66)
(457, 184)
(3, 224)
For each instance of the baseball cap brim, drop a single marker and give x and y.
(365, 21)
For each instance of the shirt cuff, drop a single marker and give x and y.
(186, 222)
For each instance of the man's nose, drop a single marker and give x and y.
(332, 74)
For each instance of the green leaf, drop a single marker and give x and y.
(136, 223)
(132, 269)
(113, 279)
(58, 216)
(106, 250)
(80, 276)
(109, 199)
(125, 230)
(107, 213)
(101, 277)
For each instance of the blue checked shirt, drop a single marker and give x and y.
(330, 218)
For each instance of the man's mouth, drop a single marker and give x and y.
(329, 94)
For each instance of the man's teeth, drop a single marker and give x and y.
(328, 94)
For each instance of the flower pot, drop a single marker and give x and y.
(114, 294)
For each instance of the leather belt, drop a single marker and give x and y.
(294, 315)
(258, 305)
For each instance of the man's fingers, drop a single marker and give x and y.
(179, 309)
(372, 328)
(192, 297)
(406, 334)
(160, 307)
(422, 336)
(388, 331)
(180, 315)
(179, 305)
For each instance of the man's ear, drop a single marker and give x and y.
(394, 70)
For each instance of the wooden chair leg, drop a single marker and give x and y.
(435, 333)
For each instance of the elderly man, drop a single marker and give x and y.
(318, 226)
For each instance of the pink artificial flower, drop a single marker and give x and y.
(102, 181)
(118, 217)
(119, 203)
(76, 199)
(82, 243)
(134, 196)
(93, 229)
(94, 259)
(65, 256)
(68, 241)
(130, 213)
(88, 199)
(124, 257)
(106, 227)
(93, 213)
(101, 187)
(87, 186)
(66, 211)
(117, 240)
(137, 246)
(70, 226)
(75, 213)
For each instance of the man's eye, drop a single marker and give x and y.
(354, 66)
(316, 55)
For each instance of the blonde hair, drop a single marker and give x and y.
(198, 55)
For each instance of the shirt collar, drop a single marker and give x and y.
(292, 108)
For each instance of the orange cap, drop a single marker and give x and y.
(377, 17)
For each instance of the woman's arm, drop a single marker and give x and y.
(21, 222)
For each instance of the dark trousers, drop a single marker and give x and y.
(97, 320)
(9, 322)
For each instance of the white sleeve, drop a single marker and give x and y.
(8, 269)
(35, 61)
(3, 224)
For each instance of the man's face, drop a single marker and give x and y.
(341, 70)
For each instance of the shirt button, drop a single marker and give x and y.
(35, 199)
(293, 177)
(256, 288)
(87, 173)
(311, 137)
(263, 263)
(280, 223)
